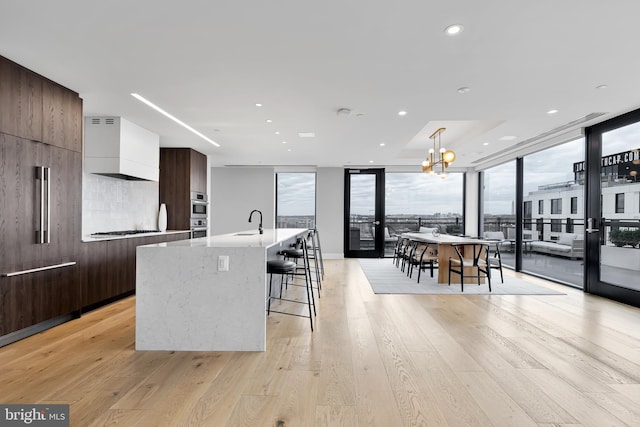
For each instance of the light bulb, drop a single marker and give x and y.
(449, 156)
(442, 175)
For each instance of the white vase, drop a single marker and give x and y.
(162, 217)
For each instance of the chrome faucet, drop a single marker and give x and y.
(259, 226)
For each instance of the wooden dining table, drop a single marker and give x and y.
(446, 251)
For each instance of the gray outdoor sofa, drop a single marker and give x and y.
(570, 245)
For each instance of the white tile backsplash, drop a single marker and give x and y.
(116, 204)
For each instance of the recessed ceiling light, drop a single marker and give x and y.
(258, 105)
(508, 138)
(382, 144)
(370, 161)
(454, 29)
(402, 113)
(464, 89)
(289, 149)
(552, 111)
(269, 121)
(602, 86)
(306, 134)
(485, 143)
(277, 133)
(175, 119)
(284, 142)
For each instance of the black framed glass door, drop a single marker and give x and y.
(364, 213)
(612, 256)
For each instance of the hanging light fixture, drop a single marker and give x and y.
(444, 156)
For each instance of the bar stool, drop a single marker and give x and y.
(300, 252)
(313, 256)
(286, 268)
(317, 249)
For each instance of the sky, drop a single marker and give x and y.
(422, 194)
(551, 166)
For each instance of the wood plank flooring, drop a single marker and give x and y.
(373, 360)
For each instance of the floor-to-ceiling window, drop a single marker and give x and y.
(553, 244)
(295, 200)
(499, 205)
(619, 225)
(414, 199)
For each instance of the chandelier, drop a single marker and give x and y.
(444, 156)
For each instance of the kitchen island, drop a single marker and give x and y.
(186, 301)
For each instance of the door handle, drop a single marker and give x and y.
(47, 231)
(40, 230)
(590, 228)
(43, 235)
(376, 223)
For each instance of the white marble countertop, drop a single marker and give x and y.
(89, 238)
(242, 239)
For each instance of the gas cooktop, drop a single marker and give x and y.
(123, 232)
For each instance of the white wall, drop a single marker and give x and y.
(471, 226)
(330, 211)
(110, 204)
(235, 192)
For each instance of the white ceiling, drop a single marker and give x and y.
(209, 62)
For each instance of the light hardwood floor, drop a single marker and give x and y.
(373, 360)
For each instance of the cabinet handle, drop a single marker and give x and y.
(35, 270)
(40, 231)
(47, 231)
(43, 174)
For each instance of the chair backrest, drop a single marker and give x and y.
(429, 251)
(472, 252)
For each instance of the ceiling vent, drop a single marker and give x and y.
(539, 138)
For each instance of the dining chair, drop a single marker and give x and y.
(429, 258)
(397, 251)
(425, 255)
(407, 254)
(472, 257)
(495, 261)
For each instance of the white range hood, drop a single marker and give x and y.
(115, 147)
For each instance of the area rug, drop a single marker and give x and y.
(385, 278)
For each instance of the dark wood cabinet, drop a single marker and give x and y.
(31, 298)
(109, 267)
(35, 108)
(198, 171)
(182, 170)
(94, 270)
(20, 101)
(61, 117)
(40, 219)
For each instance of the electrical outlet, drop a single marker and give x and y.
(223, 263)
